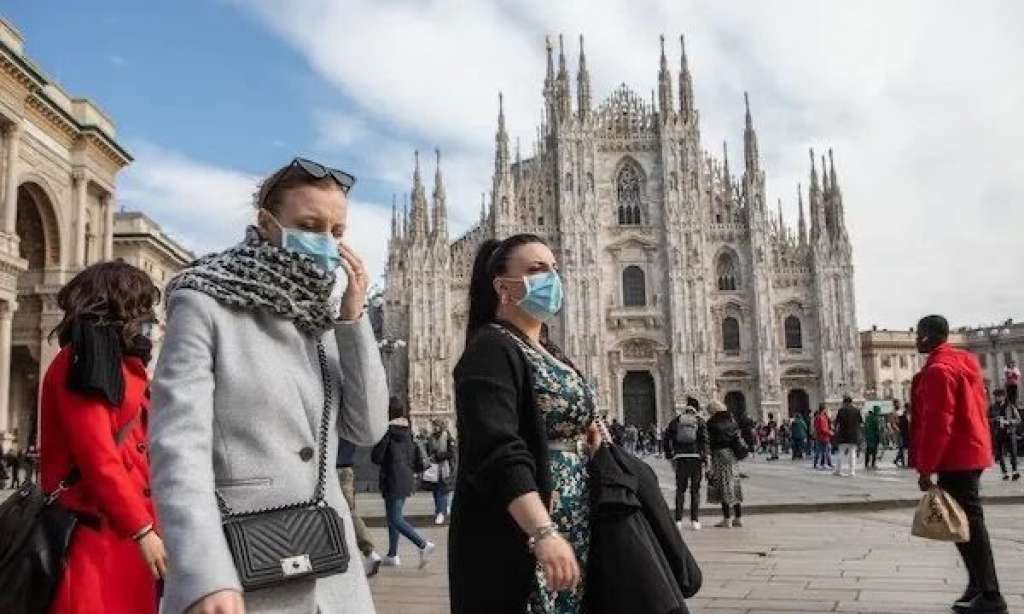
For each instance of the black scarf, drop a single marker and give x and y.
(97, 353)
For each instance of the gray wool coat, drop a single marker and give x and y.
(236, 398)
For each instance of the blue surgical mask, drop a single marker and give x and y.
(322, 247)
(543, 298)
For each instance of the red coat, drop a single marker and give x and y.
(822, 428)
(105, 571)
(949, 428)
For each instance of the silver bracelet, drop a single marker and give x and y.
(542, 532)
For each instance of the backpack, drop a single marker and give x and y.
(686, 430)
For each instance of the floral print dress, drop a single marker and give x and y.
(566, 403)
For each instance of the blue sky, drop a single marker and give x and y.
(922, 102)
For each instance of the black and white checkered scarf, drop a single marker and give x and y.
(255, 275)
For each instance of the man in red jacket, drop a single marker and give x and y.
(950, 436)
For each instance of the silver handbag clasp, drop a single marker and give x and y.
(295, 565)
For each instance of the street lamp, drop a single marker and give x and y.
(387, 347)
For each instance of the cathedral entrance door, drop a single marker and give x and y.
(638, 404)
(736, 402)
(798, 402)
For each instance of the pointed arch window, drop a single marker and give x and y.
(728, 272)
(731, 335)
(634, 287)
(629, 194)
(794, 333)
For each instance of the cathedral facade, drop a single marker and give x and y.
(682, 284)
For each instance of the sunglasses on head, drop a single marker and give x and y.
(317, 171)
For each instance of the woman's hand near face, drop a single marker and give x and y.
(354, 299)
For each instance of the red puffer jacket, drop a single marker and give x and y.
(104, 571)
(949, 416)
(822, 428)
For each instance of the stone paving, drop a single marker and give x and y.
(795, 563)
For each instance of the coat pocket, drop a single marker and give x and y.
(242, 482)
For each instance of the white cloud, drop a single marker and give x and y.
(922, 102)
(117, 60)
(208, 207)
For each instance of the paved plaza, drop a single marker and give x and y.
(796, 563)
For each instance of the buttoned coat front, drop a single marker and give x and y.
(236, 405)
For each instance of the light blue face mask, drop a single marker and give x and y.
(543, 298)
(320, 246)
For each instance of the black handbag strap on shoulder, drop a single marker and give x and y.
(322, 435)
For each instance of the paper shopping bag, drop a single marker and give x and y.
(940, 517)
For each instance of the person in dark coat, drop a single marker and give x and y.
(1003, 418)
(440, 476)
(396, 455)
(903, 424)
(722, 433)
(849, 430)
(686, 446)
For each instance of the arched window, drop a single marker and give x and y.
(794, 333)
(634, 290)
(629, 191)
(728, 271)
(731, 334)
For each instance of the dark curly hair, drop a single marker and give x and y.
(111, 293)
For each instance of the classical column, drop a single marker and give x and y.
(81, 199)
(6, 318)
(13, 137)
(108, 227)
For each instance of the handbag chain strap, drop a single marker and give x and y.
(325, 426)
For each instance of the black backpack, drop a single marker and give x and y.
(686, 430)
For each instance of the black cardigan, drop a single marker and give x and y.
(396, 455)
(503, 454)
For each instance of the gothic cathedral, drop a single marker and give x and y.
(681, 283)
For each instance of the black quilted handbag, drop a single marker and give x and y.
(276, 546)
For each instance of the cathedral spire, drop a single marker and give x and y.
(394, 216)
(564, 102)
(440, 213)
(501, 161)
(418, 218)
(583, 84)
(685, 84)
(837, 199)
(726, 178)
(404, 230)
(782, 220)
(665, 104)
(802, 224)
(750, 153)
(818, 228)
(551, 62)
(483, 207)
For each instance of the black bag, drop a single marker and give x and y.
(280, 545)
(35, 533)
(421, 461)
(739, 448)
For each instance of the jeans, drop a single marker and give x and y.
(398, 525)
(688, 475)
(440, 492)
(847, 452)
(346, 476)
(1005, 442)
(798, 448)
(822, 454)
(977, 553)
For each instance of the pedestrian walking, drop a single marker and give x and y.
(13, 461)
(520, 522)
(952, 439)
(872, 437)
(723, 433)
(1004, 419)
(1011, 381)
(903, 458)
(686, 445)
(798, 433)
(631, 438)
(268, 357)
(823, 435)
(440, 475)
(849, 430)
(94, 410)
(345, 465)
(399, 461)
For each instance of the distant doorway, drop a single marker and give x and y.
(798, 402)
(736, 402)
(638, 405)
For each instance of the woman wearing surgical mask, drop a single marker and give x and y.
(257, 360)
(520, 522)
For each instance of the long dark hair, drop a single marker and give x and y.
(491, 261)
(110, 294)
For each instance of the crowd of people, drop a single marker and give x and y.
(269, 374)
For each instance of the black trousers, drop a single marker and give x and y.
(1011, 394)
(977, 553)
(1005, 443)
(871, 456)
(737, 510)
(688, 475)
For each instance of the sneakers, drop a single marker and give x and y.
(1006, 477)
(737, 523)
(725, 523)
(679, 525)
(439, 519)
(372, 564)
(426, 553)
(391, 561)
(695, 524)
(1016, 476)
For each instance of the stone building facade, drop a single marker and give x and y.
(59, 157)
(681, 281)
